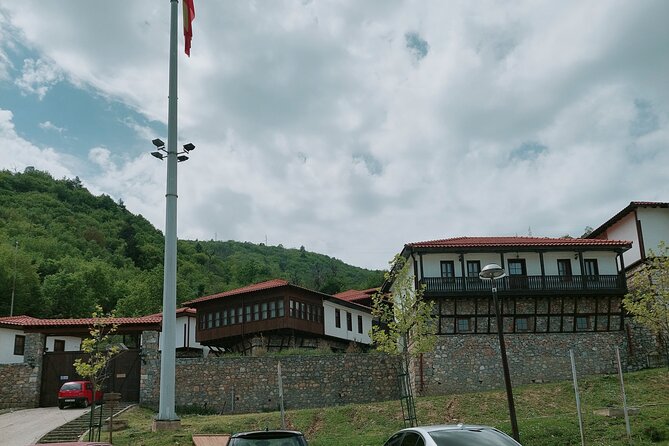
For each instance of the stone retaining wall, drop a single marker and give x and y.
(473, 362)
(232, 384)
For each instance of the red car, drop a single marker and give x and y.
(78, 393)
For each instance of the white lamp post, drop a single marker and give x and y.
(494, 272)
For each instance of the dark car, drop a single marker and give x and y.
(451, 435)
(268, 438)
(78, 393)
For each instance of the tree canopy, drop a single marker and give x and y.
(77, 250)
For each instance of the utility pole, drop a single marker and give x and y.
(16, 252)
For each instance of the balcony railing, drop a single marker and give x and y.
(520, 284)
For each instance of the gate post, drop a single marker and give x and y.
(33, 356)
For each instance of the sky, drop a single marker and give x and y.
(348, 127)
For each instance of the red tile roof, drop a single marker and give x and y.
(354, 295)
(512, 242)
(274, 283)
(27, 321)
(629, 208)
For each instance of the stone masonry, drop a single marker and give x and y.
(233, 384)
(25, 378)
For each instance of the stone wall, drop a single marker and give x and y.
(21, 382)
(233, 384)
(473, 362)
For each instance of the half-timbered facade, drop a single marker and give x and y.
(552, 285)
(277, 315)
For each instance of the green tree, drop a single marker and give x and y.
(648, 297)
(100, 349)
(406, 326)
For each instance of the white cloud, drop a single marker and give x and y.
(38, 77)
(48, 125)
(16, 153)
(352, 128)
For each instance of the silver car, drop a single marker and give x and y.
(451, 435)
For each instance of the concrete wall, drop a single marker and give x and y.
(21, 382)
(232, 384)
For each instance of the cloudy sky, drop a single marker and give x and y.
(349, 127)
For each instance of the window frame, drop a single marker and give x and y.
(19, 345)
(337, 315)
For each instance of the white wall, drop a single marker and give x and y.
(185, 334)
(342, 332)
(72, 343)
(7, 355)
(625, 229)
(606, 261)
(654, 227)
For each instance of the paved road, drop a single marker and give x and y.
(26, 426)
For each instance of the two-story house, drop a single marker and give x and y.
(558, 294)
(275, 315)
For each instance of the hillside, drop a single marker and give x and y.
(76, 250)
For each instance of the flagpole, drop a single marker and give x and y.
(167, 418)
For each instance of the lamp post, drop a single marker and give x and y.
(166, 411)
(493, 272)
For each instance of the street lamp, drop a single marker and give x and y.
(162, 153)
(493, 272)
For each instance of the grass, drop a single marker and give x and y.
(546, 416)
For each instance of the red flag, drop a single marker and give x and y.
(189, 15)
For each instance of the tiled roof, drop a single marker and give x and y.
(511, 242)
(354, 295)
(629, 208)
(27, 321)
(274, 283)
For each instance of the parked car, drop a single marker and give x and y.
(268, 438)
(451, 435)
(78, 393)
(78, 443)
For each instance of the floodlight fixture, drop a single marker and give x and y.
(181, 158)
(158, 155)
(188, 147)
(158, 143)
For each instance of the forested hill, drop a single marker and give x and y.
(76, 250)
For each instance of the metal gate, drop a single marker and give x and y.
(122, 375)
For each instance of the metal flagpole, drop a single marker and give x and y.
(166, 408)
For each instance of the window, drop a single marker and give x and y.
(349, 321)
(256, 312)
(337, 318)
(210, 320)
(19, 344)
(280, 308)
(240, 315)
(473, 268)
(582, 323)
(591, 269)
(272, 309)
(522, 324)
(58, 345)
(292, 312)
(248, 313)
(231, 316)
(464, 325)
(303, 310)
(447, 269)
(564, 267)
(203, 322)
(359, 324)
(517, 273)
(263, 314)
(217, 318)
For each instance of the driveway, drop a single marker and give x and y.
(26, 426)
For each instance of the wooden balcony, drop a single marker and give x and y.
(527, 285)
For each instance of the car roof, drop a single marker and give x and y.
(443, 427)
(267, 432)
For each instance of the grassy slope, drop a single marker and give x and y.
(546, 416)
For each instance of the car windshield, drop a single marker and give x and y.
(471, 437)
(71, 386)
(275, 439)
